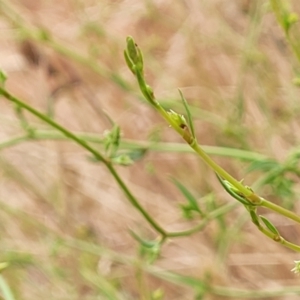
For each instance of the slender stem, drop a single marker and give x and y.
(279, 239)
(167, 117)
(55, 125)
(246, 192)
(222, 291)
(290, 245)
(135, 202)
(96, 154)
(280, 210)
(135, 62)
(216, 213)
(135, 144)
(251, 294)
(123, 186)
(13, 141)
(193, 144)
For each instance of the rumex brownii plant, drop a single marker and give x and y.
(183, 125)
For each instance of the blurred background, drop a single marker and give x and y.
(65, 223)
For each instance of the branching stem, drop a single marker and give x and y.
(93, 151)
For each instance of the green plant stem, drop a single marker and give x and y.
(53, 124)
(14, 141)
(216, 213)
(196, 112)
(280, 210)
(279, 239)
(128, 144)
(96, 154)
(135, 202)
(92, 248)
(135, 62)
(219, 170)
(176, 122)
(193, 144)
(239, 293)
(222, 291)
(290, 245)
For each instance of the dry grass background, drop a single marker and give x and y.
(232, 63)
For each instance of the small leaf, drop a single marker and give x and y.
(144, 243)
(127, 158)
(193, 204)
(232, 191)
(150, 249)
(187, 211)
(122, 159)
(254, 217)
(263, 165)
(136, 154)
(189, 115)
(112, 140)
(269, 225)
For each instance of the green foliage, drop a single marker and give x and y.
(269, 225)
(192, 206)
(114, 151)
(189, 115)
(149, 250)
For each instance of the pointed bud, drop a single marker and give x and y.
(133, 56)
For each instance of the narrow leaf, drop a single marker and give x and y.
(189, 115)
(269, 225)
(144, 243)
(254, 218)
(232, 193)
(263, 165)
(188, 195)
